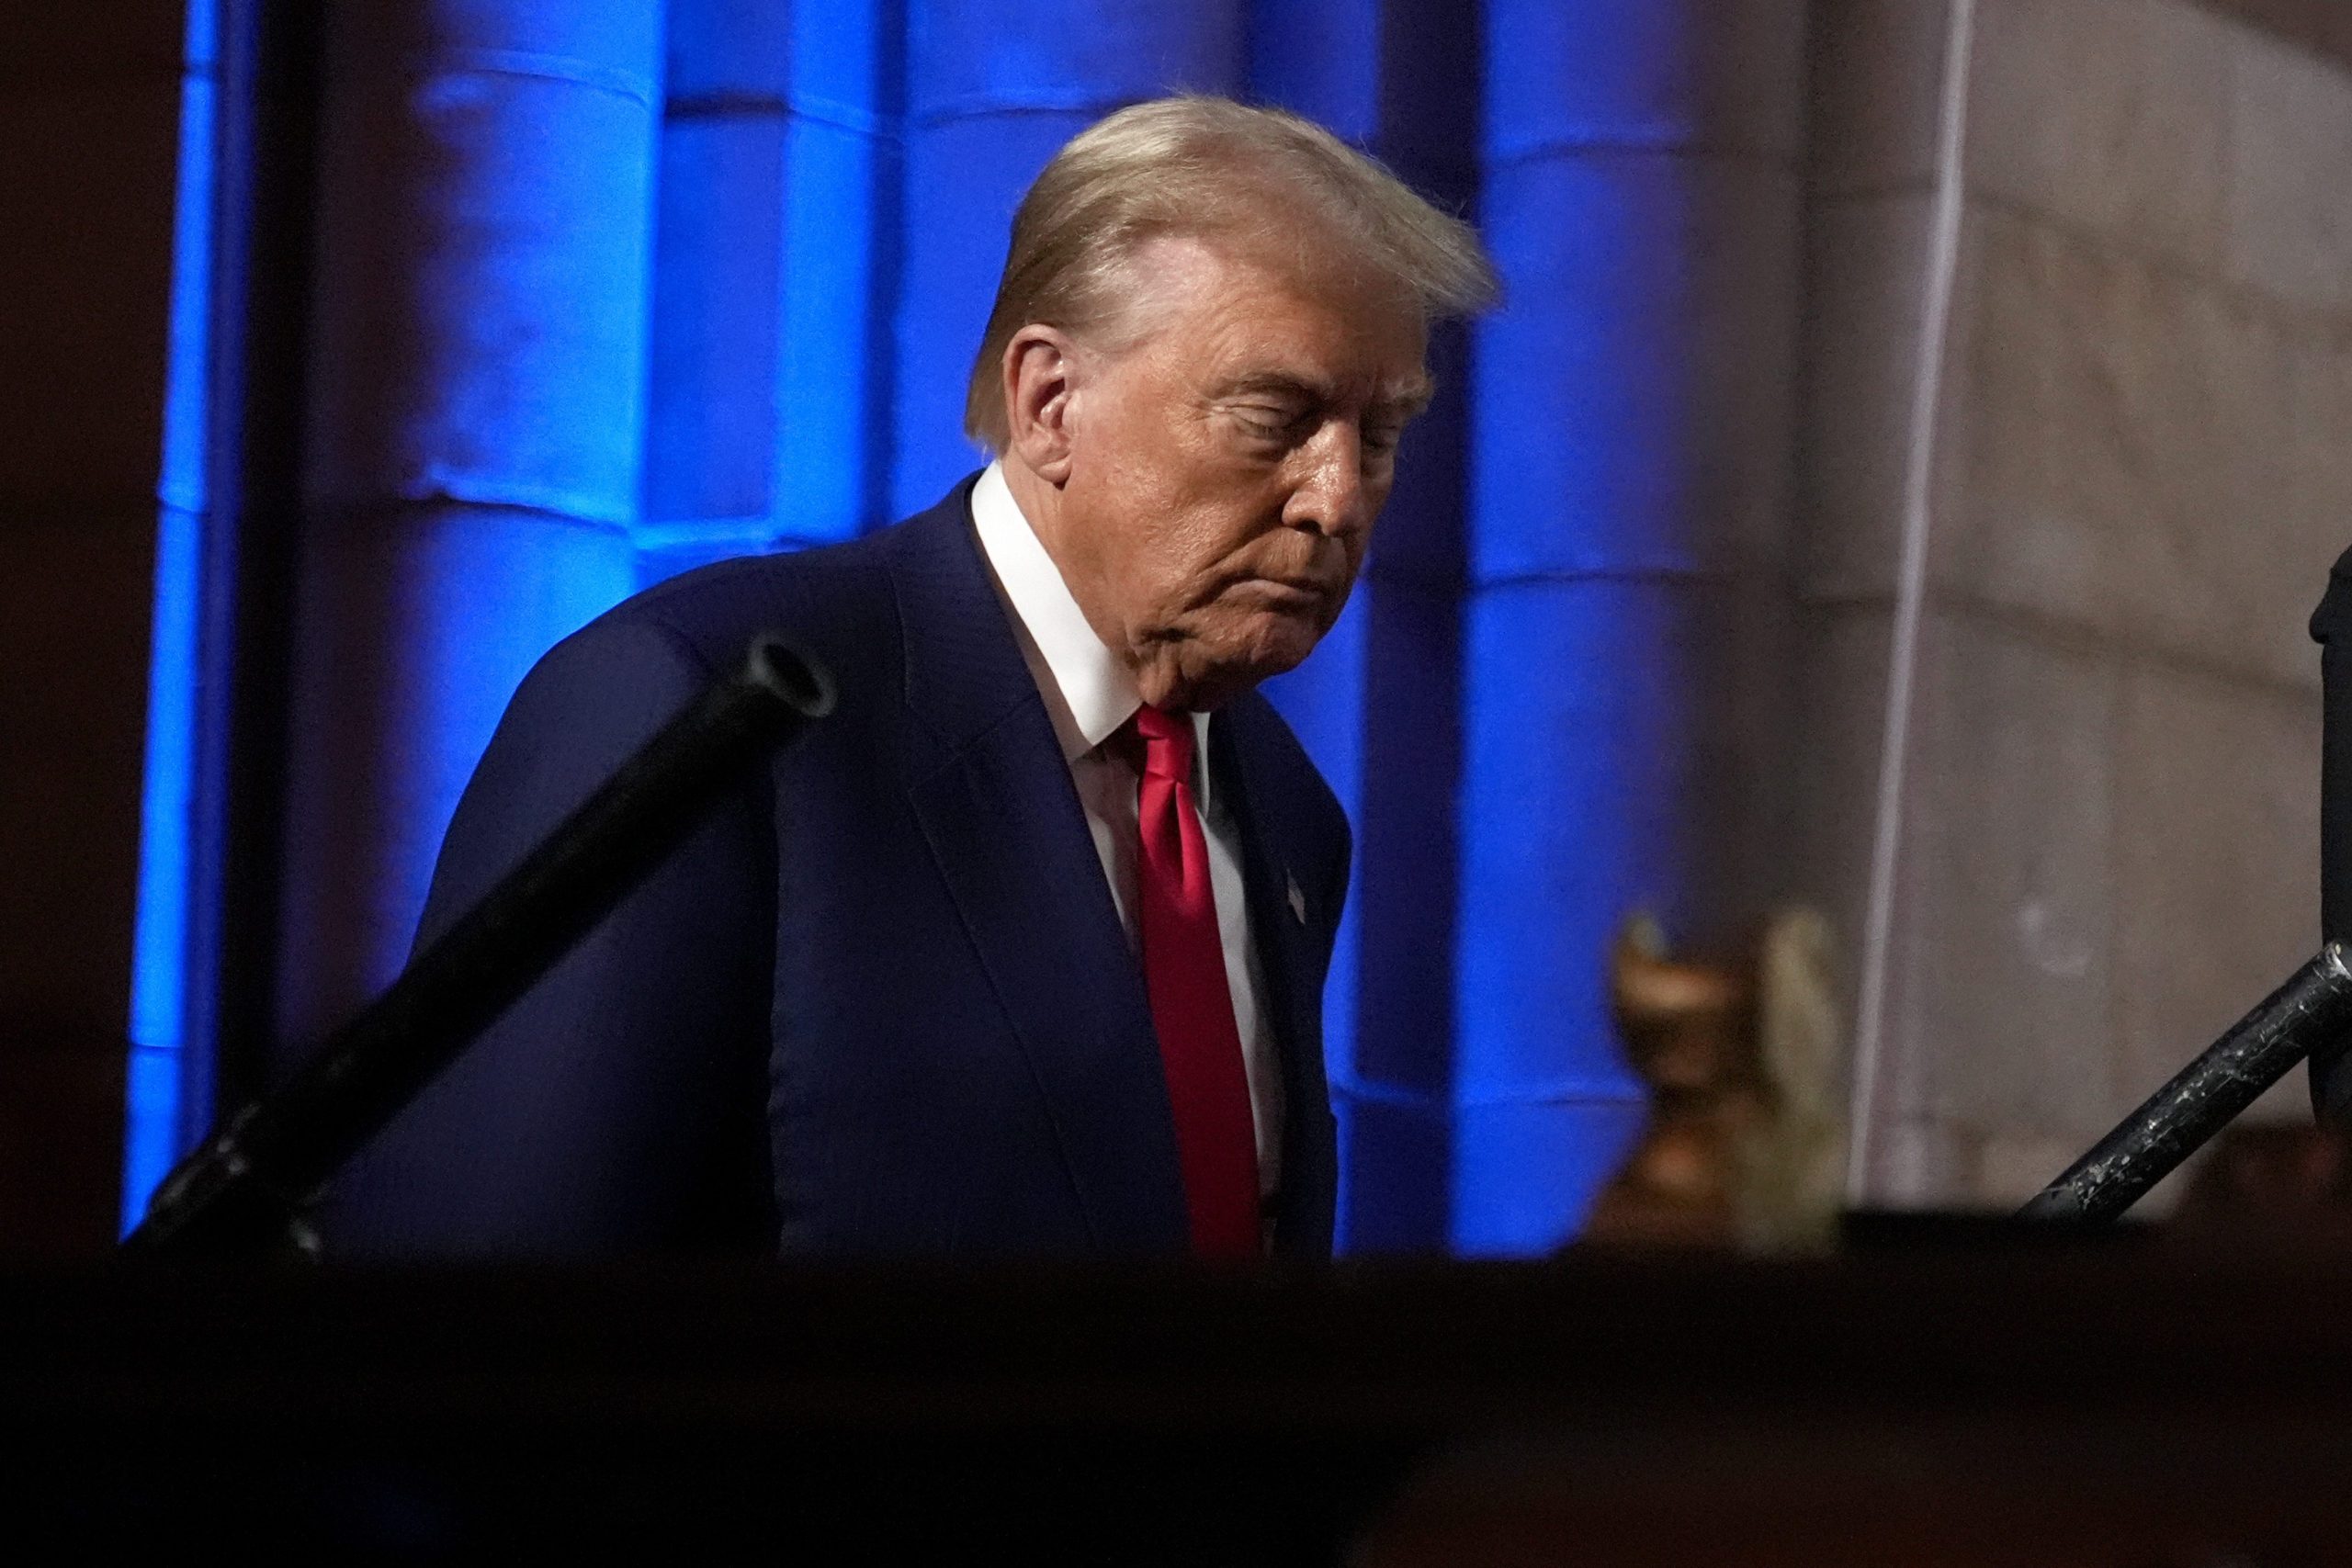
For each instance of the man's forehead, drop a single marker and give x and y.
(1168, 272)
(1281, 319)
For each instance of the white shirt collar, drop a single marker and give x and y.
(1088, 692)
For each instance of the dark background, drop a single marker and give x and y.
(89, 121)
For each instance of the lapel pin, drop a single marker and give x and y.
(1298, 901)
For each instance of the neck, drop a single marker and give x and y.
(1041, 502)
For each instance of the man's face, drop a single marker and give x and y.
(1225, 464)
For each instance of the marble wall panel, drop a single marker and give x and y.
(2110, 116)
(2134, 457)
(2144, 469)
(2217, 863)
(2289, 211)
(2006, 961)
(2316, 451)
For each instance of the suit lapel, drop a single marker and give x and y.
(1009, 838)
(1292, 955)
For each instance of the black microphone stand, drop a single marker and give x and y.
(244, 1192)
(2313, 1011)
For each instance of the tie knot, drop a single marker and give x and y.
(1167, 742)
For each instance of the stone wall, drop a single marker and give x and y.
(2141, 471)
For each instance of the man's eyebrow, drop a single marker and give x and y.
(1409, 400)
(1273, 383)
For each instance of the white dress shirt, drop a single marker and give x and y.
(1088, 694)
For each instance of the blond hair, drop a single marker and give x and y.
(1201, 166)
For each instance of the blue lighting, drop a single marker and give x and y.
(842, 161)
(1579, 791)
(1504, 710)
(994, 88)
(155, 1109)
(481, 328)
(1322, 701)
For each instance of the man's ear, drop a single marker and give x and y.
(1040, 372)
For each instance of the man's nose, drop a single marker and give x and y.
(1333, 495)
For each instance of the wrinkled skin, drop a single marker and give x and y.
(1205, 468)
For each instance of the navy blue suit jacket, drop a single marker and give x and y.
(882, 1002)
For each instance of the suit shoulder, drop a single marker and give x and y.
(832, 598)
(841, 602)
(595, 696)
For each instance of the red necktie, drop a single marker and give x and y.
(1183, 970)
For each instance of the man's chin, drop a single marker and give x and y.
(1272, 645)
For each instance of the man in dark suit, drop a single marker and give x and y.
(1022, 952)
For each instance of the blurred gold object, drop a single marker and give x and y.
(1745, 1145)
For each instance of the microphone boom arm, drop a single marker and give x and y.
(241, 1193)
(2313, 1008)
